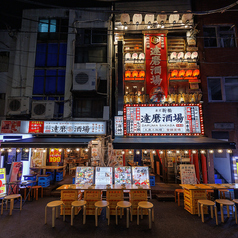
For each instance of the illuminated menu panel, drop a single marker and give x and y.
(162, 120)
(2, 181)
(140, 175)
(103, 175)
(122, 175)
(84, 175)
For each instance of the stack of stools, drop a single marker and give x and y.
(59, 176)
(54, 205)
(102, 204)
(122, 205)
(223, 193)
(11, 198)
(227, 203)
(210, 203)
(44, 180)
(74, 204)
(148, 206)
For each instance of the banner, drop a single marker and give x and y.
(15, 175)
(36, 126)
(10, 126)
(55, 155)
(156, 67)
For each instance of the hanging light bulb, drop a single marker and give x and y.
(202, 151)
(2, 149)
(27, 150)
(145, 151)
(86, 150)
(68, 150)
(220, 151)
(130, 152)
(153, 152)
(161, 152)
(186, 152)
(77, 149)
(194, 151)
(169, 152)
(35, 150)
(211, 151)
(52, 149)
(9, 150)
(229, 151)
(177, 151)
(44, 150)
(18, 150)
(137, 152)
(123, 152)
(60, 150)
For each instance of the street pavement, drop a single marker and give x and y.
(170, 221)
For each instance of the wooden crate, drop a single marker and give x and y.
(113, 197)
(200, 194)
(68, 207)
(194, 209)
(71, 195)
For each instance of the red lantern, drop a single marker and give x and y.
(174, 73)
(181, 73)
(189, 73)
(128, 74)
(142, 74)
(134, 74)
(196, 72)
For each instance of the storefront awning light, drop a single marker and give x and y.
(153, 152)
(52, 149)
(60, 150)
(35, 150)
(130, 152)
(2, 149)
(137, 152)
(186, 152)
(202, 151)
(177, 151)
(229, 151)
(161, 152)
(44, 151)
(18, 150)
(145, 151)
(9, 150)
(211, 151)
(86, 150)
(220, 151)
(123, 152)
(77, 149)
(27, 150)
(194, 151)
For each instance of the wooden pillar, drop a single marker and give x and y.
(204, 168)
(195, 162)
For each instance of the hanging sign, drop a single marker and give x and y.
(36, 126)
(55, 155)
(156, 67)
(165, 120)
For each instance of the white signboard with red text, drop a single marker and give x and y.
(165, 120)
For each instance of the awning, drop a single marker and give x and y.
(171, 142)
(48, 142)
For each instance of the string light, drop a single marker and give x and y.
(211, 151)
(137, 152)
(86, 150)
(161, 152)
(229, 151)
(77, 149)
(220, 151)
(153, 152)
(202, 151)
(194, 151)
(186, 152)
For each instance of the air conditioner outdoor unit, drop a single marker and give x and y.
(44, 110)
(85, 80)
(18, 105)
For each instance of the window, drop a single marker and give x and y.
(91, 46)
(4, 61)
(53, 29)
(88, 107)
(219, 36)
(223, 89)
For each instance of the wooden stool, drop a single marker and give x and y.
(223, 193)
(236, 202)
(227, 203)
(209, 191)
(101, 204)
(53, 205)
(78, 204)
(11, 198)
(127, 205)
(178, 191)
(207, 203)
(146, 205)
(35, 190)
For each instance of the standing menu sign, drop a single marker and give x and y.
(187, 173)
(103, 175)
(2, 181)
(141, 175)
(15, 175)
(84, 175)
(123, 175)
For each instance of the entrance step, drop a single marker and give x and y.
(165, 197)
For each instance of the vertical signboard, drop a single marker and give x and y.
(2, 181)
(84, 175)
(103, 175)
(15, 175)
(187, 173)
(156, 67)
(55, 155)
(122, 175)
(141, 175)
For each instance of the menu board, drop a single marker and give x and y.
(162, 120)
(2, 181)
(188, 175)
(84, 175)
(103, 175)
(140, 175)
(122, 175)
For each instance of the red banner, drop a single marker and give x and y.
(10, 126)
(55, 155)
(156, 67)
(36, 127)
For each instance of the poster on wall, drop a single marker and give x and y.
(25, 154)
(10, 126)
(15, 175)
(2, 181)
(11, 156)
(122, 175)
(84, 175)
(187, 174)
(55, 155)
(38, 158)
(103, 175)
(140, 175)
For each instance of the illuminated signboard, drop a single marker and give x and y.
(103, 175)
(2, 181)
(163, 120)
(118, 126)
(73, 127)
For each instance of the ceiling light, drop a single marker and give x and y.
(77, 149)
(130, 152)
(137, 152)
(177, 151)
(211, 151)
(220, 151)
(202, 151)
(86, 150)
(186, 152)
(153, 152)
(161, 152)
(123, 152)
(229, 151)
(194, 151)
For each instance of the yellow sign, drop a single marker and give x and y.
(2, 180)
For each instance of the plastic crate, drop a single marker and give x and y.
(152, 180)
(51, 175)
(73, 180)
(59, 176)
(44, 181)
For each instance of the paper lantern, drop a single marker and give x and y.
(181, 73)
(142, 74)
(174, 73)
(128, 74)
(196, 72)
(189, 73)
(134, 74)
